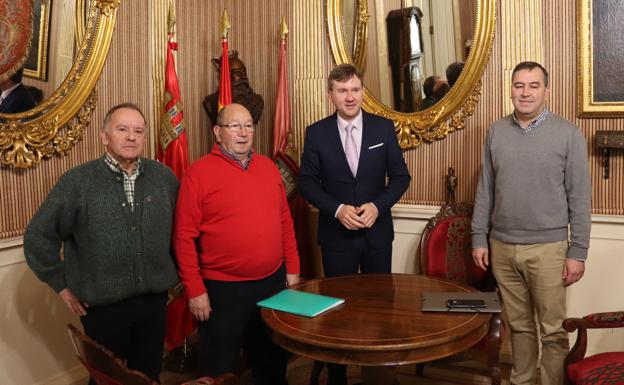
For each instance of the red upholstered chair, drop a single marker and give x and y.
(445, 251)
(599, 369)
(106, 369)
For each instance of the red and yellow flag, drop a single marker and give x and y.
(173, 147)
(225, 85)
(285, 155)
(173, 152)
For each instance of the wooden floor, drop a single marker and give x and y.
(435, 374)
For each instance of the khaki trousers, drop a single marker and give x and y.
(529, 278)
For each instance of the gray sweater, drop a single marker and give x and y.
(109, 251)
(533, 184)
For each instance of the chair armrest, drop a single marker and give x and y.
(605, 320)
(580, 345)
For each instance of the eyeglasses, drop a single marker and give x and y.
(237, 127)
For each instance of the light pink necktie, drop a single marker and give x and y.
(351, 149)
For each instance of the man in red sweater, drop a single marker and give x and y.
(235, 245)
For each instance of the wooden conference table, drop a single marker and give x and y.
(380, 323)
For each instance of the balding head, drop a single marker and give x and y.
(234, 129)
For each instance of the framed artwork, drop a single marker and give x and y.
(36, 65)
(600, 58)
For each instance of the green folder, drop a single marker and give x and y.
(300, 302)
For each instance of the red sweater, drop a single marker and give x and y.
(232, 224)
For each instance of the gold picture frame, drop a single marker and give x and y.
(600, 60)
(36, 65)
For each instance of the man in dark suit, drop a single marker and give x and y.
(353, 171)
(14, 96)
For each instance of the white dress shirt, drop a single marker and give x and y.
(357, 136)
(356, 132)
(6, 93)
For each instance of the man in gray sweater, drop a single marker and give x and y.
(533, 185)
(112, 218)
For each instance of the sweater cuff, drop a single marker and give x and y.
(479, 241)
(578, 253)
(57, 283)
(194, 289)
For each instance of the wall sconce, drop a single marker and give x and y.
(606, 140)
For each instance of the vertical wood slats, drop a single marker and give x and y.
(560, 58)
(126, 77)
(521, 23)
(157, 32)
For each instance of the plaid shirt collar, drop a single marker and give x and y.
(114, 166)
(128, 180)
(244, 163)
(535, 123)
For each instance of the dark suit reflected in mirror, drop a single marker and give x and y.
(14, 96)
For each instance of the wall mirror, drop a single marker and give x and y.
(58, 122)
(398, 44)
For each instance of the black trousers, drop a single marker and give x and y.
(359, 256)
(133, 329)
(235, 323)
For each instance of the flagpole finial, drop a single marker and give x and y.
(283, 28)
(225, 23)
(171, 19)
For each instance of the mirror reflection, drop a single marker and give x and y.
(415, 49)
(55, 125)
(63, 43)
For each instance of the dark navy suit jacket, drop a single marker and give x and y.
(326, 181)
(19, 100)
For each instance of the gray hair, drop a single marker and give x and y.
(131, 106)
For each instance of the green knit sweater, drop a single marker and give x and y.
(109, 252)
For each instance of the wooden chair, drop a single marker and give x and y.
(445, 251)
(106, 369)
(599, 369)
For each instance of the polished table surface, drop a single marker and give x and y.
(380, 322)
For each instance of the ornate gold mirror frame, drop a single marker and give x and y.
(448, 114)
(54, 126)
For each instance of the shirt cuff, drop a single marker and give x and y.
(338, 209)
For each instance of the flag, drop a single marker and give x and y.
(284, 155)
(173, 146)
(225, 85)
(173, 152)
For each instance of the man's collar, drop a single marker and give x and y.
(116, 167)
(533, 123)
(357, 121)
(6, 92)
(243, 162)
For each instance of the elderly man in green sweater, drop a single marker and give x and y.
(534, 184)
(112, 219)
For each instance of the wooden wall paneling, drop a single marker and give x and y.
(560, 59)
(196, 46)
(310, 62)
(522, 29)
(158, 30)
(126, 77)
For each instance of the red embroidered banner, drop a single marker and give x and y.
(16, 22)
